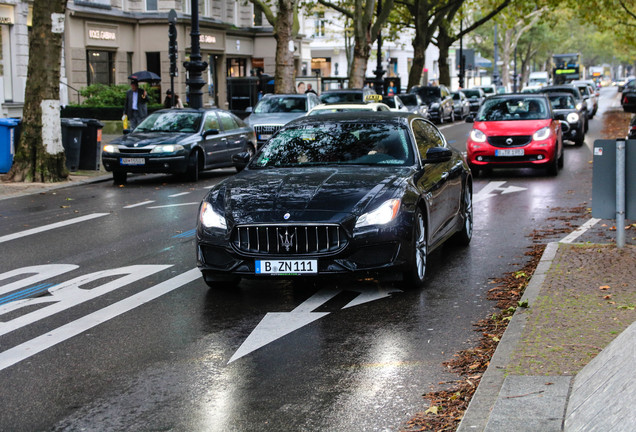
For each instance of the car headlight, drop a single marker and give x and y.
(211, 219)
(477, 135)
(109, 148)
(382, 215)
(167, 148)
(572, 117)
(541, 134)
(579, 106)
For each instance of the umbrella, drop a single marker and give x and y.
(144, 76)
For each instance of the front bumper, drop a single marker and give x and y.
(175, 164)
(535, 154)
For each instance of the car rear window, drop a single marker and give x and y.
(281, 104)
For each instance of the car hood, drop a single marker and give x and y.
(273, 118)
(329, 194)
(512, 127)
(142, 139)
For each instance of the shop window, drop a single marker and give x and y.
(321, 66)
(236, 67)
(100, 67)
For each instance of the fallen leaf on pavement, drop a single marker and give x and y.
(604, 287)
(431, 410)
(607, 297)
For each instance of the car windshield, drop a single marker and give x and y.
(341, 97)
(390, 101)
(171, 121)
(409, 100)
(281, 104)
(561, 101)
(574, 92)
(504, 109)
(471, 94)
(337, 143)
(489, 90)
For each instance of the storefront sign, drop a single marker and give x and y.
(102, 35)
(99, 35)
(207, 39)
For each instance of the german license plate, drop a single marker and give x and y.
(264, 137)
(132, 161)
(286, 267)
(509, 152)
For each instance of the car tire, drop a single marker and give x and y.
(119, 177)
(561, 159)
(579, 140)
(193, 167)
(415, 275)
(587, 125)
(464, 236)
(474, 170)
(452, 116)
(553, 168)
(441, 116)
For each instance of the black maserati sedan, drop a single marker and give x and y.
(352, 194)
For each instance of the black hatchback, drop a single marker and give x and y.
(179, 141)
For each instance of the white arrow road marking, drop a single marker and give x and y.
(370, 295)
(50, 227)
(178, 194)
(491, 189)
(42, 272)
(275, 325)
(74, 328)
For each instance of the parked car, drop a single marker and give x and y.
(179, 141)
(339, 108)
(395, 103)
(439, 101)
(581, 105)
(489, 90)
(273, 111)
(628, 98)
(460, 105)
(564, 108)
(346, 95)
(351, 194)
(516, 130)
(475, 98)
(415, 104)
(631, 132)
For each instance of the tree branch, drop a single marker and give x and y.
(337, 8)
(487, 18)
(630, 13)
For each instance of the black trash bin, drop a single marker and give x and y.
(90, 152)
(72, 141)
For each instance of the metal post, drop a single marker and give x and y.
(620, 193)
(379, 85)
(195, 66)
(495, 73)
(461, 54)
(514, 75)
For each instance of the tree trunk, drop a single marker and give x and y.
(357, 73)
(40, 155)
(283, 33)
(444, 41)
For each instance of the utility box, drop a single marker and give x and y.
(604, 179)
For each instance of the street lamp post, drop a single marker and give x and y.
(461, 54)
(495, 74)
(379, 84)
(514, 74)
(195, 66)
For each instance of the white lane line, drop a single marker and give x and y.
(139, 204)
(178, 194)
(580, 231)
(74, 328)
(176, 205)
(50, 227)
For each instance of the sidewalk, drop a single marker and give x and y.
(566, 361)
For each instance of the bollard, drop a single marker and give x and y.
(620, 193)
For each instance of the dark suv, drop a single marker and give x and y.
(580, 103)
(439, 101)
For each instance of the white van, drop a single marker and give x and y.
(538, 79)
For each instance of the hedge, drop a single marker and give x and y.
(99, 113)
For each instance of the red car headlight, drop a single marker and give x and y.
(477, 136)
(541, 134)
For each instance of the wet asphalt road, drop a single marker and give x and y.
(130, 338)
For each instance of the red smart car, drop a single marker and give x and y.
(515, 130)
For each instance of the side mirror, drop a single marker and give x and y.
(240, 160)
(437, 155)
(210, 132)
(470, 119)
(249, 109)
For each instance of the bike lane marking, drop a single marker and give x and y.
(38, 344)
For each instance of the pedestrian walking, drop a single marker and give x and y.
(136, 105)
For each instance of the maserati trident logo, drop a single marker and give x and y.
(509, 141)
(286, 241)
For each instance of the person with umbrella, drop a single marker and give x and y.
(136, 105)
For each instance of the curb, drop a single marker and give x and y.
(483, 401)
(61, 185)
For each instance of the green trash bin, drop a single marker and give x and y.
(72, 141)
(91, 151)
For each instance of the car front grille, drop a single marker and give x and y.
(509, 141)
(267, 129)
(289, 239)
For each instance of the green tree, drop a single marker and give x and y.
(39, 155)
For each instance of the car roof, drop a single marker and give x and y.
(357, 116)
(367, 106)
(291, 95)
(517, 95)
